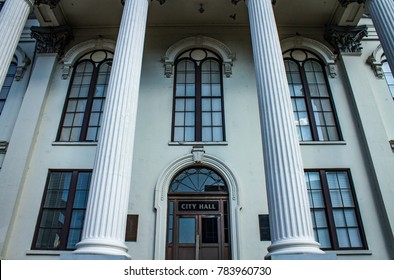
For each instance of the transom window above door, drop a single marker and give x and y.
(198, 114)
(198, 180)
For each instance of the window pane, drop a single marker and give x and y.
(92, 134)
(94, 119)
(206, 119)
(217, 119)
(209, 230)
(343, 238)
(179, 119)
(179, 134)
(180, 105)
(190, 90)
(355, 238)
(189, 119)
(217, 134)
(206, 90)
(180, 90)
(216, 104)
(187, 230)
(206, 134)
(206, 104)
(65, 134)
(75, 134)
(190, 105)
(324, 238)
(216, 90)
(189, 134)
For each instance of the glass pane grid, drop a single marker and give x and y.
(205, 122)
(85, 102)
(7, 85)
(53, 225)
(198, 180)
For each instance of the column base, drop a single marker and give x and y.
(91, 257)
(294, 247)
(290, 257)
(102, 247)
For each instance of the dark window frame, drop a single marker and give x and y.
(198, 97)
(390, 85)
(308, 97)
(89, 99)
(329, 213)
(11, 72)
(64, 235)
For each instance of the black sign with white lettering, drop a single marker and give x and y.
(198, 206)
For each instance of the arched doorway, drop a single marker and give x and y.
(198, 222)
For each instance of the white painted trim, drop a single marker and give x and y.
(161, 202)
(81, 49)
(198, 42)
(324, 52)
(320, 49)
(375, 60)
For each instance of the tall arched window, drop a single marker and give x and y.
(84, 105)
(388, 76)
(198, 97)
(313, 106)
(7, 85)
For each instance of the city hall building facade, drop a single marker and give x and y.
(199, 129)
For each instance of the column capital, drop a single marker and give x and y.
(346, 39)
(51, 39)
(50, 3)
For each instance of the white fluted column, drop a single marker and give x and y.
(105, 220)
(290, 218)
(13, 18)
(382, 14)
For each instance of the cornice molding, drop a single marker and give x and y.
(346, 39)
(51, 39)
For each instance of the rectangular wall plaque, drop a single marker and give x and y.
(198, 206)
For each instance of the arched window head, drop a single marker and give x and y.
(310, 93)
(198, 180)
(198, 97)
(7, 85)
(83, 110)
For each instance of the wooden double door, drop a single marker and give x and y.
(198, 229)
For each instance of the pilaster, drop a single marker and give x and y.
(17, 160)
(290, 219)
(106, 213)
